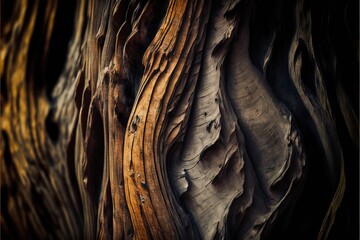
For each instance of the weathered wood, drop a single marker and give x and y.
(179, 119)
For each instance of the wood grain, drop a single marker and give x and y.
(128, 119)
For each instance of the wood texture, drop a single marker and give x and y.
(179, 119)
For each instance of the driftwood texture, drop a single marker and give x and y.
(184, 119)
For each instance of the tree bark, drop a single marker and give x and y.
(127, 119)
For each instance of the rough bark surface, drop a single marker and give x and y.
(127, 119)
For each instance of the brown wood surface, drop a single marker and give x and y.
(179, 119)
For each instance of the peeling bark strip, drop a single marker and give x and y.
(128, 119)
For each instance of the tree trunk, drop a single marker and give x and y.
(179, 120)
